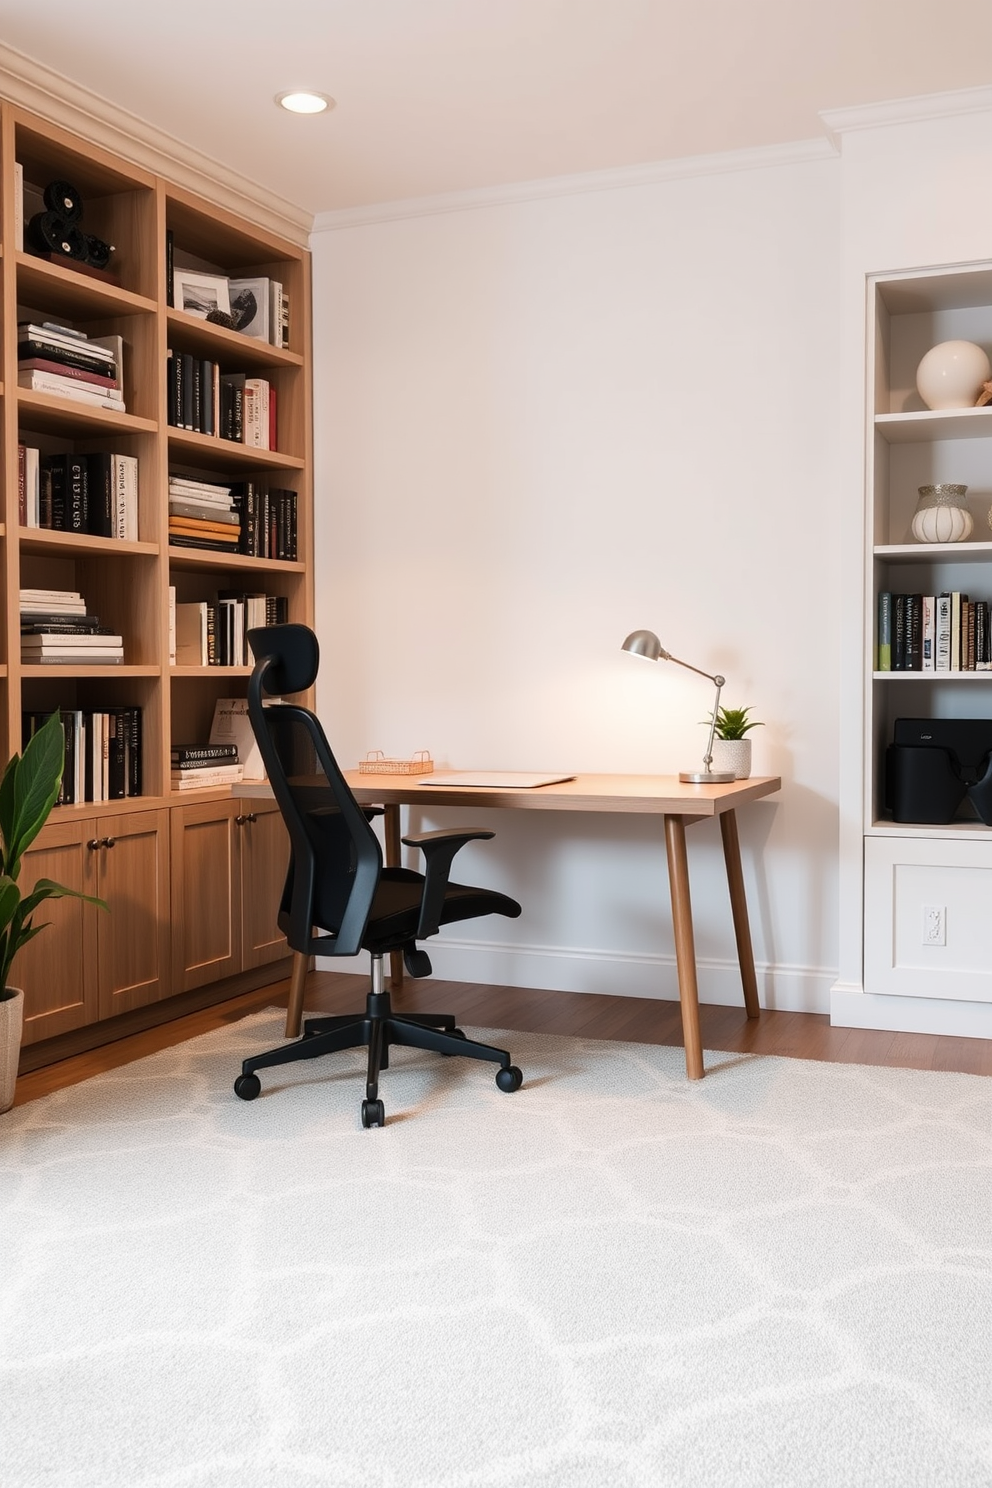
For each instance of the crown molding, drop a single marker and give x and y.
(897, 111)
(763, 158)
(42, 91)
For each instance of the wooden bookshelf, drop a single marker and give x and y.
(168, 854)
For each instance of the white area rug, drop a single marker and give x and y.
(781, 1275)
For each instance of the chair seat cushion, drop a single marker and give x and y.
(396, 907)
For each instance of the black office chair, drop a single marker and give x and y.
(338, 898)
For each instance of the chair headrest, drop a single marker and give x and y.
(291, 656)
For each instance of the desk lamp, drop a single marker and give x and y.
(645, 643)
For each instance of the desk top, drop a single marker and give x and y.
(663, 795)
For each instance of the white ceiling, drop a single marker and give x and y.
(445, 95)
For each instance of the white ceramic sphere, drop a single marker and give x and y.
(951, 374)
(942, 524)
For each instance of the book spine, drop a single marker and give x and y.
(134, 753)
(942, 658)
(169, 266)
(185, 756)
(929, 618)
(22, 485)
(898, 632)
(914, 632)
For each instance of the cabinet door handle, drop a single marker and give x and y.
(94, 843)
(110, 841)
(245, 819)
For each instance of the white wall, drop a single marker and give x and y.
(540, 425)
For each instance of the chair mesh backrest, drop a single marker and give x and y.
(335, 858)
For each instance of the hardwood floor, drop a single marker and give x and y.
(636, 1019)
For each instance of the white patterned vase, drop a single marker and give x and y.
(733, 754)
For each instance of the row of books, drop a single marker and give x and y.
(250, 517)
(933, 633)
(226, 405)
(94, 493)
(215, 632)
(102, 753)
(56, 358)
(268, 520)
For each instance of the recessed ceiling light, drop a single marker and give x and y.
(300, 102)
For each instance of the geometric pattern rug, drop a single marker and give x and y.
(612, 1278)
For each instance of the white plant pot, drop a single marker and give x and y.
(11, 1024)
(733, 754)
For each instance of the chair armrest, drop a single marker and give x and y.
(439, 849)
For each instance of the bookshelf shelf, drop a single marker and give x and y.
(43, 412)
(926, 426)
(188, 333)
(43, 540)
(196, 558)
(65, 291)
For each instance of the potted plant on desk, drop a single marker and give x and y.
(731, 747)
(28, 791)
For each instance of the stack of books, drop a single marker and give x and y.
(203, 514)
(56, 358)
(57, 631)
(196, 766)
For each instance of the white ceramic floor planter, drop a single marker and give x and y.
(11, 1024)
(733, 754)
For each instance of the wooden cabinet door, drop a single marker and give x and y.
(133, 943)
(206, 898)
(58, 968)
(264, 852)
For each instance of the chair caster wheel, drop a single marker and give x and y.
(373, 1113)
(454, 1033)
(247, 1086)
(510, 1078)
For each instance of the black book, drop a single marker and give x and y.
(180, 387)
(186, 361)
(118, 728)
(207, 397)
(64, 627)
(177, 541)
(134, 753)
(77, 495)
(35, 348)
(914, 632)
(42, 620)
(899, 651)
(196, 400)
(189, 756)
(234, 426)
(100, 494)
(67, 789)
(172, 389)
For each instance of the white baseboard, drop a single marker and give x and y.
(797, 989)
(850, 1007)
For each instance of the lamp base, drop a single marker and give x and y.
(706, 777)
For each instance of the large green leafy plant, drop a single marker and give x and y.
(28, 791)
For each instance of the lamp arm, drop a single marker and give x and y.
(708, 757)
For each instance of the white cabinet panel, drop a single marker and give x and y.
(928, 918)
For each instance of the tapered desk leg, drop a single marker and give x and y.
(297, 982)
(738, 905)
(685, 947)
(391, 823)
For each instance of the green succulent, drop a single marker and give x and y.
(28, 791)
(733, 723)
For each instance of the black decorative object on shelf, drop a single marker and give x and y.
(56, 231)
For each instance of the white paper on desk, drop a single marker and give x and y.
(494, 779)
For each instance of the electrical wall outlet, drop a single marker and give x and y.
(934, 925)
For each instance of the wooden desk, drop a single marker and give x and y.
(653, 795)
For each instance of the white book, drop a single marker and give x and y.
(256, 413)
(183, 780)
(209, 488)
(84, 640)
(64, 387)
(65, 594)
(221, 500)
(125, 475)
(232, 725)
(72, 658)
(275, 313)
(32, 485)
